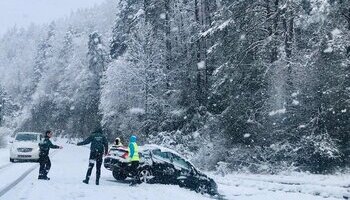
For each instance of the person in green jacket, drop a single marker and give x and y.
(44, 159)
(98, 148)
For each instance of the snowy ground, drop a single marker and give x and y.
(69, 166)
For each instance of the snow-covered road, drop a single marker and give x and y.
(69, 166)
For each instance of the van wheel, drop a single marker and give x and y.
(12, 160)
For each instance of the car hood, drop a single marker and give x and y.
(25, 145)
(203, 176)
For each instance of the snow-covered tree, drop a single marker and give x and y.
(265, 82)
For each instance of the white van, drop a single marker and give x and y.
(25, 146)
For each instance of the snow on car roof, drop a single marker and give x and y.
(163, 149)
(35, 133)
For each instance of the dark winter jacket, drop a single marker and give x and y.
(45, 146)
(99, 143)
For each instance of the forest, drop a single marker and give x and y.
(238, 85)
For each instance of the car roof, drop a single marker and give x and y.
(33, 133)
(163, 149)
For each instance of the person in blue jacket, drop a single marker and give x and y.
(134, 158)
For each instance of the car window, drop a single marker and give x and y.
(181, 162)
(162, 155)
(27, 137)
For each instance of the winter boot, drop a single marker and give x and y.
(133, 183)
(42, 177)
(97, 182)
(86, 181)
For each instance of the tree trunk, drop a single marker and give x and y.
(168, 43)
(274, 53)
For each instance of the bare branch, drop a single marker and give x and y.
(347, 16)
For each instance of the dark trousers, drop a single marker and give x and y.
(45, 165)
(134, 170)
(94, 157)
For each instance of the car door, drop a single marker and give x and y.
(162, 167)
(181, 165)
(187, 176)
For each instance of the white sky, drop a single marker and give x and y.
(24, 12)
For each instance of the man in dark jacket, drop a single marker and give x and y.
(44, 159)
(98, 147)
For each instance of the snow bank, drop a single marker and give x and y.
(292, 186)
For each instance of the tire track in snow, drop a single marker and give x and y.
(10, 186)
(18, 180)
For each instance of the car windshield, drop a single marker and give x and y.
(181, 162)
(27, 137)
(161, 154)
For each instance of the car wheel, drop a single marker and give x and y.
(145, 175)
(12, 160)
(202, 188)
(118, 175)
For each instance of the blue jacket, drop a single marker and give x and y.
(131, 146)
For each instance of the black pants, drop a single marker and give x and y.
(134, 171)
(45, 165)
(94, 157)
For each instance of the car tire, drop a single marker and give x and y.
(118, 175)
(202, 188)
(12, 160)
(145, 175)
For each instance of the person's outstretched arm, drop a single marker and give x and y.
(52, 146)
(87, 141)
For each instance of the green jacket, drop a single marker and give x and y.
(98, 142)
(45, 146)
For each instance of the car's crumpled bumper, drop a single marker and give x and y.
(111, 162)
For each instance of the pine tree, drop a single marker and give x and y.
(124, 23)
(2, 105)
(97, 61)
(44, 54)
